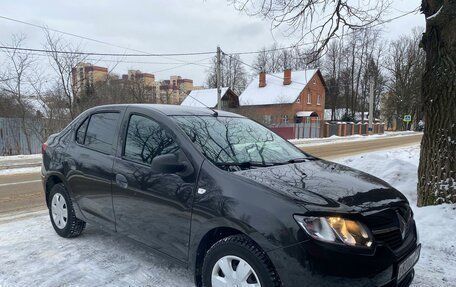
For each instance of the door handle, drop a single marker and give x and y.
(121, 181)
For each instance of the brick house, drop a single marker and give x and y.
(283, 98)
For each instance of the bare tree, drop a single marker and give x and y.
(405, 65)
(348, 65)
(331, 68)
(319, 19)
(233, 74)
(16, 82)
(275, 59)
(63, 64)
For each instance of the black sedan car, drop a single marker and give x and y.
(227, 198)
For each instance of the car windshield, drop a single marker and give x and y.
(232, 141)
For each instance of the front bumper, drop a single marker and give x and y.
(313, 263)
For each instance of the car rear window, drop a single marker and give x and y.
(80, 133)
(100, 132)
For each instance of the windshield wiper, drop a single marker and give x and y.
(245, 164)
(298, 160)
(294, 160)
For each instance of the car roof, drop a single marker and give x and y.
(174, 110)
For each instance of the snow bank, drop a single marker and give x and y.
(20, 157)
(35, 169)
(332, 139)
(436, 224)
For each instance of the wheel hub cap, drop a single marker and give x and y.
(233, 271)
(59, 210)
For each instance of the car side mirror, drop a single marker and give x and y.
(167, 163)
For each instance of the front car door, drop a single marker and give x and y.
(153, 207)
(89, 165)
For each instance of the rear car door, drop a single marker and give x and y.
(153, 207)
(91, 157)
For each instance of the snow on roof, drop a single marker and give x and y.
(275, 91)
(304, 114)
(203, 98)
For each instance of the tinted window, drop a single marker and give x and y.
(146, 139)
(80, 133)
(101, 131)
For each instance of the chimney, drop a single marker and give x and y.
(262, 80)
(287, 76)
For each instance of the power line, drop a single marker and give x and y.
(123, 61)
(185, 64)
(103, 42)
(416, 10)
(278, 77)
(254, 68)
(310, 43)
(146, 54)
(165, 56)
(102, 54)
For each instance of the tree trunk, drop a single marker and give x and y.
(437, 170)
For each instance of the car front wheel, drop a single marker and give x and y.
(62, 213)
(237, 261)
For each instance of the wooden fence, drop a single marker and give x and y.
(13, 140)
(316, 129)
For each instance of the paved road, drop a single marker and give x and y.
(24, 192)
(20, 193)
(348, 148)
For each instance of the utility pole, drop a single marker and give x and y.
(219, 88)
(371, 104)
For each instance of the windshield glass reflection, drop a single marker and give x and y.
(231, 141)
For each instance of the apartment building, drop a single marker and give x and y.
(86, 74)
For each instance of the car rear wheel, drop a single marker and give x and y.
(237, 261)
(62, 213)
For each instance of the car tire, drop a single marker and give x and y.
(232, 252)
(62, 213)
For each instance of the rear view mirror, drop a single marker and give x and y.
(167, 163)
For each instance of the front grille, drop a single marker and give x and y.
(392, 238)
(386, 226)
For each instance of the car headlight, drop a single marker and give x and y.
(336, 230)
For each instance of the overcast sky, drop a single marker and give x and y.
(171, 26)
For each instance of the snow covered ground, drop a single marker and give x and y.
(332, 139)
(20, 164)
(34, 169)
(21, 157)
(31, 254)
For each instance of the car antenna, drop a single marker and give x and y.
(215, 113)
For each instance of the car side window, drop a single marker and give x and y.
(81, 131)
(101, 131)
(146, 139)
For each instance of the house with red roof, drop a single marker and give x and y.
(284, 98)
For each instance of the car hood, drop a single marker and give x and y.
(319, 185)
